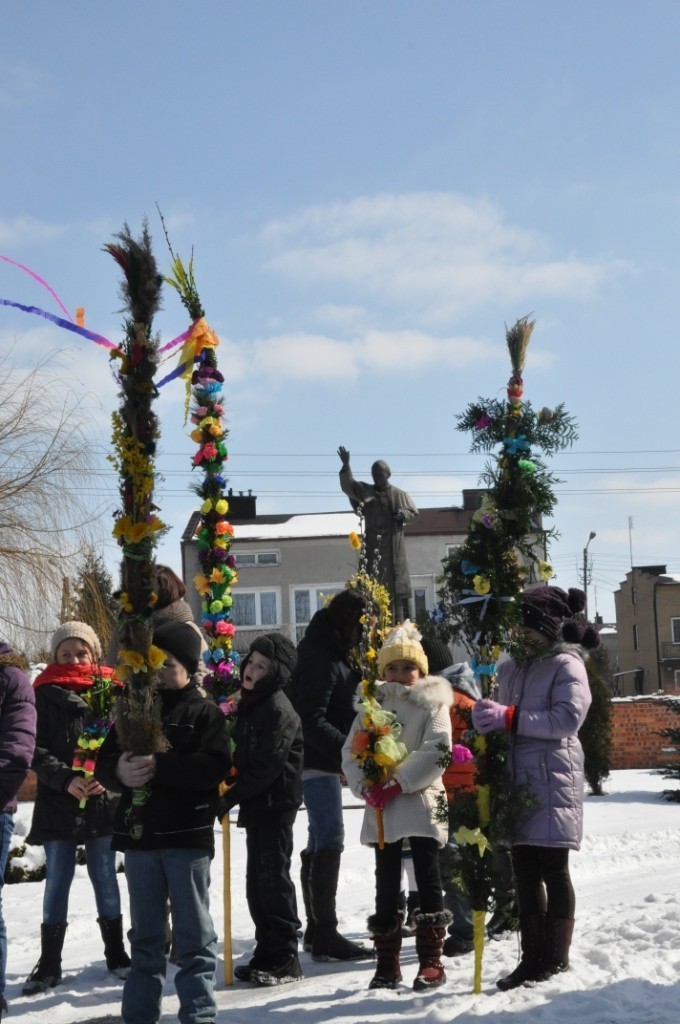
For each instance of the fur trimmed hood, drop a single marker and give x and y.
(430, 692)
(11, 659)
(562, 647)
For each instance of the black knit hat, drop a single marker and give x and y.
(438, 654)
(182, 640)
(279, 650)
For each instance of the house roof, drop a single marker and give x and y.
(447, 520)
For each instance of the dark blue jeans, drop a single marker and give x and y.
(184, 877)
(323, 799)
(6, 830)
(61, 865)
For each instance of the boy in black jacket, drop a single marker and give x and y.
(171, 858)
(268, 789)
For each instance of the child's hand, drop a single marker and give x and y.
(378, 796)
(489, 716)
(135, 770)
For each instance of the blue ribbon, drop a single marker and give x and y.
(68, 325)
(482, 670)
(515, 445)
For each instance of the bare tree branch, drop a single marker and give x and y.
(46, 467)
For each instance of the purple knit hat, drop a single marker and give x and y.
(545, 609)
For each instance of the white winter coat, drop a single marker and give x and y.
(423, 712)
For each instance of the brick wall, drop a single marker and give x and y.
(636, 743)
(636, 724)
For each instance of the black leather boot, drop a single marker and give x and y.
(558, 934)
(530, 967)
(305, 872)
(117, 960)
(328, 943)
(47, 972)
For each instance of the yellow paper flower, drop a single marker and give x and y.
(222, 507)
(132, 659)
(545, 571)
(157, 657)
(202, 585)
(206, 507)
(355, 540)
(481, 584)
(216, 576)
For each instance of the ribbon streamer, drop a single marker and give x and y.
(68, 325)
(41, 281)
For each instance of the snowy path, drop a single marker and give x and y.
(625, 959)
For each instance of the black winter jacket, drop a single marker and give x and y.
(268, 757)
(181, 808)
(17, 727)
(57, 814)
(323, 688)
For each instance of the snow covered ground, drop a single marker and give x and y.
(625, 957)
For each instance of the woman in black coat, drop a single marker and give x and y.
(71, 807)
(323, 689)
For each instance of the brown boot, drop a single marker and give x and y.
(558, 933)
(530, 967)
(430, 935)
(387, 940)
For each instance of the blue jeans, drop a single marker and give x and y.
(61, 866)
(6, 830)
(323, 799)
(153, 876)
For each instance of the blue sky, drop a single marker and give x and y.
(373, 190)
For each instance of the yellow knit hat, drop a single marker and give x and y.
(403, 644)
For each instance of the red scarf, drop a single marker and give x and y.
(74, 677)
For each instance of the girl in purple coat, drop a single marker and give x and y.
(543, 700)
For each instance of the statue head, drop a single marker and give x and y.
(381, 474)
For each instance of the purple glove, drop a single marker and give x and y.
(488, 716)
(461, 754)
(378, 796)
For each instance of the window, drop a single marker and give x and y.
(636, 639)
(451, 549)
(255, 607)
(419, 600)
(250, 559)
(305, 601)
(675, 630)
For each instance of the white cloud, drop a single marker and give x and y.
(435, 253)
(28, 230)
(301, 355)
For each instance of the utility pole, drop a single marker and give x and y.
(585, 571)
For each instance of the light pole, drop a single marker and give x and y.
(585, 572)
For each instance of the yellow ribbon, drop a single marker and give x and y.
(472, 837)
(201, 337)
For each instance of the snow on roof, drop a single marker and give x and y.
(326, 524)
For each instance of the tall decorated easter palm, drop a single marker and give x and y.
(206, 402)
(505, 549)
(137, 526)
